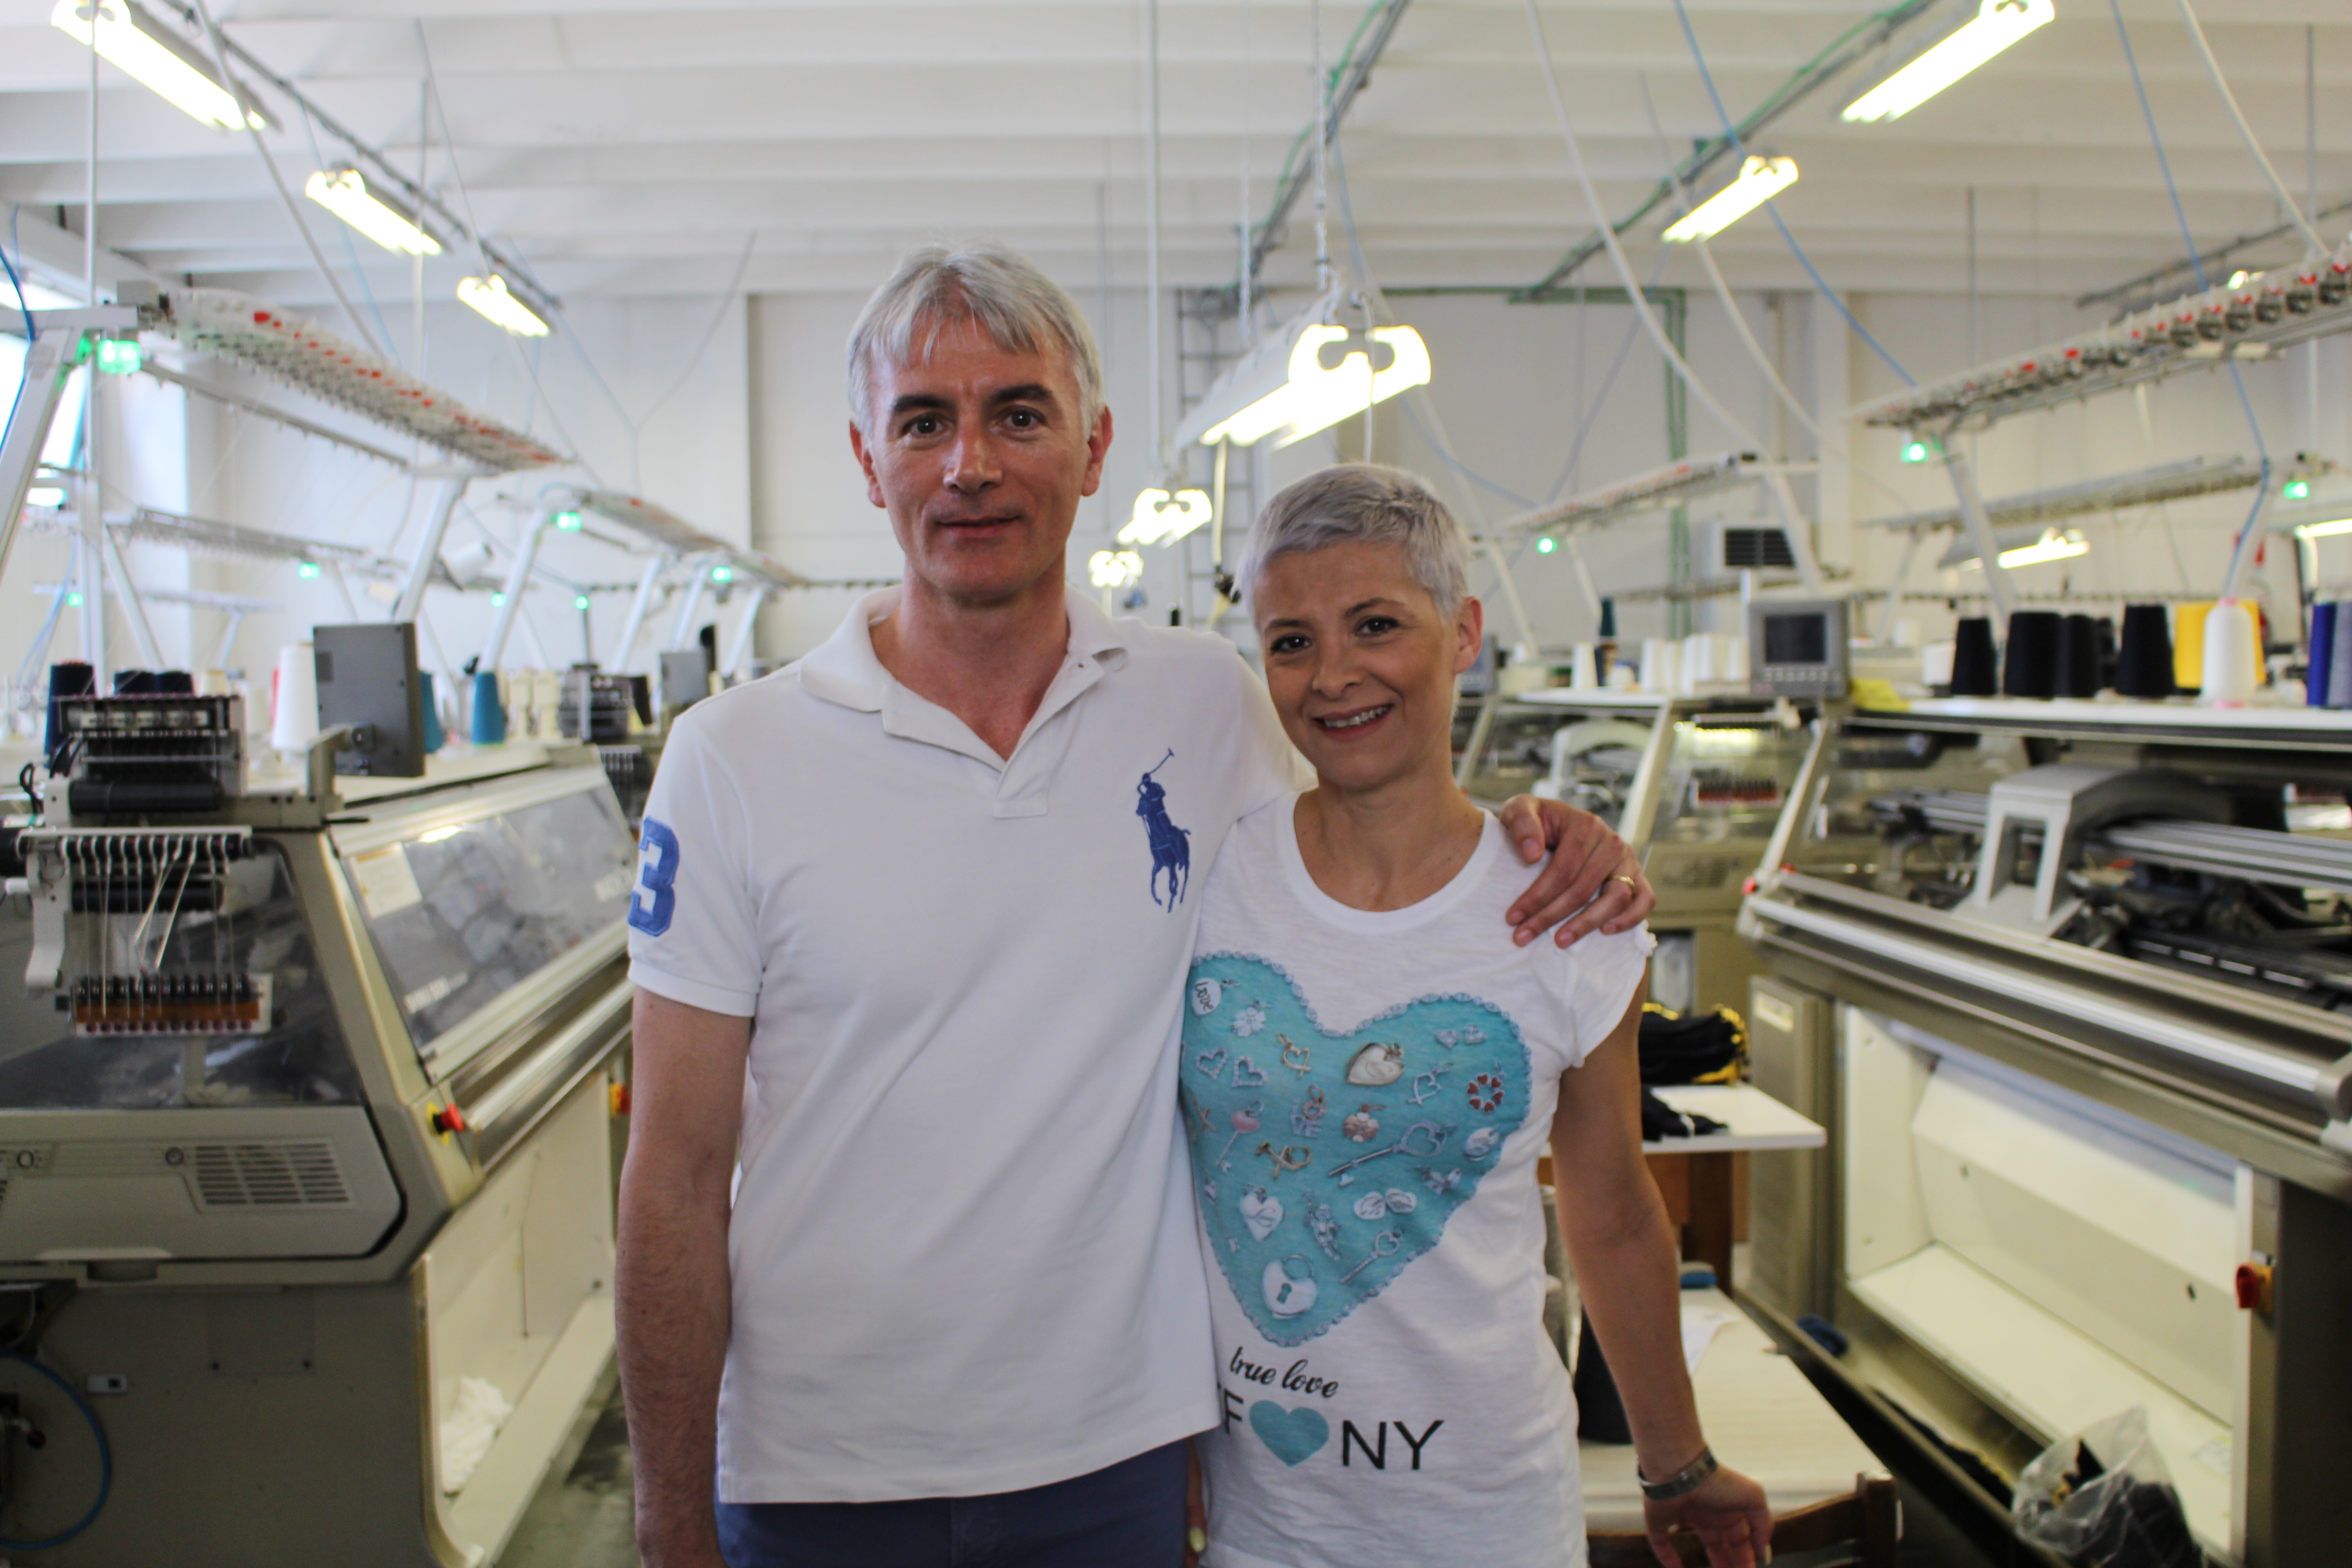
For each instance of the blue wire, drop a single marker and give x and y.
(105, 1461)
(1772, 209)
(2197, 264)
(32, 329)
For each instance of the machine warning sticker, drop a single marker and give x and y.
(386, 885)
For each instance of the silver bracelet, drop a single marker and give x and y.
(1687, 1480)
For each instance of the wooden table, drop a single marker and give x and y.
(1753, 1120)
(1763, 1417)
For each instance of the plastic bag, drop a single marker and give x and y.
(2104, 1499)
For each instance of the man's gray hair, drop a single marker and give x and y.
(1368, 503)
(936, 286)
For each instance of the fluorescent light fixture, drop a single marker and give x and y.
(1114, 568)
(2052, 546)
(159, 60)
(344, 193)
(489, 296)
(1304, 378)
(1760, 179)
(1997, 24)
(50, 495)
(2325, 529)
(1161, 517)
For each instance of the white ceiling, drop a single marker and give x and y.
(639, 148)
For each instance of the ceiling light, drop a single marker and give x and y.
(489, 296)
(1760, 179)
(130, 38)
(1114, 568)
(2052, 546)
(344, 193)
(1160, 518)
(1997, 24)
(2325, 529)
(1306, 377)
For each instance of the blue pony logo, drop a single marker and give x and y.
(1172, 847)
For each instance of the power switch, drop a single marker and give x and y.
(2254, 1287)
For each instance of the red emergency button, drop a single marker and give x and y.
(2254, 1282)
(449, 1118)
(1749, 886)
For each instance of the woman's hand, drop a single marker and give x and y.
(1593, 877)
(1727, 1513)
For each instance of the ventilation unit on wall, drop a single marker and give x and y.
(1727, 547)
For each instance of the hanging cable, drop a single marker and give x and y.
(2238, 554)
(2229, 99)
(1616, 252)
(310, 241)
(1771, 210)
(105, 1458)
(32, 328)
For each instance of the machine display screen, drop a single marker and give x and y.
(1796, 640)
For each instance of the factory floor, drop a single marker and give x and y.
(581, 1516)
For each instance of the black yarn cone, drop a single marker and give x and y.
(2078, 657)
(2030, 668)
(1976, 662)
(1600, 1413)
(2144, 664)
(70, 678)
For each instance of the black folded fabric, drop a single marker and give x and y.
(1692, 1048)
(1659, 1120)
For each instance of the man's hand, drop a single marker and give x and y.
(1594, 876)
(1728, 1514)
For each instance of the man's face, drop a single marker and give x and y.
(981, 458)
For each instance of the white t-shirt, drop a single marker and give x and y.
(962, 1251)
(1366, 1094)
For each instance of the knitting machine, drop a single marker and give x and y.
(1695, 784)
(2071, 982)
(306, 1135)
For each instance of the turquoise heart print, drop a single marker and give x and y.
(1294, 1435)
(1326, 1162)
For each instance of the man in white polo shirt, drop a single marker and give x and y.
(932, 886)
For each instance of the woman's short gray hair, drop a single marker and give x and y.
(1371, 503)
(936, 286)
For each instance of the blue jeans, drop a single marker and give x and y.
(1128, 1515)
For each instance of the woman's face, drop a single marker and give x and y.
(1362, 662)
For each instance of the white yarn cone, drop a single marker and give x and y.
(1584, 669)
(2232, 663)
(295, 724)
(1659, 664)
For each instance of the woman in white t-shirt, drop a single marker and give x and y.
(1371, 1067)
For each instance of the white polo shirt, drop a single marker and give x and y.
(963, 1253)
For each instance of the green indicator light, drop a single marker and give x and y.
(118, 358)
(498, 598)
(2297, 490)
(1915, 452)
(567, 520)
(579, 601)
(73, 601)
(722, 573)
(306, 570)
(1546, 546)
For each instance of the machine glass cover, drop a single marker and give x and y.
(1728, 776)
(464, 913)
(188, 935)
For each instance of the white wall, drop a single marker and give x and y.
(752, 444)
